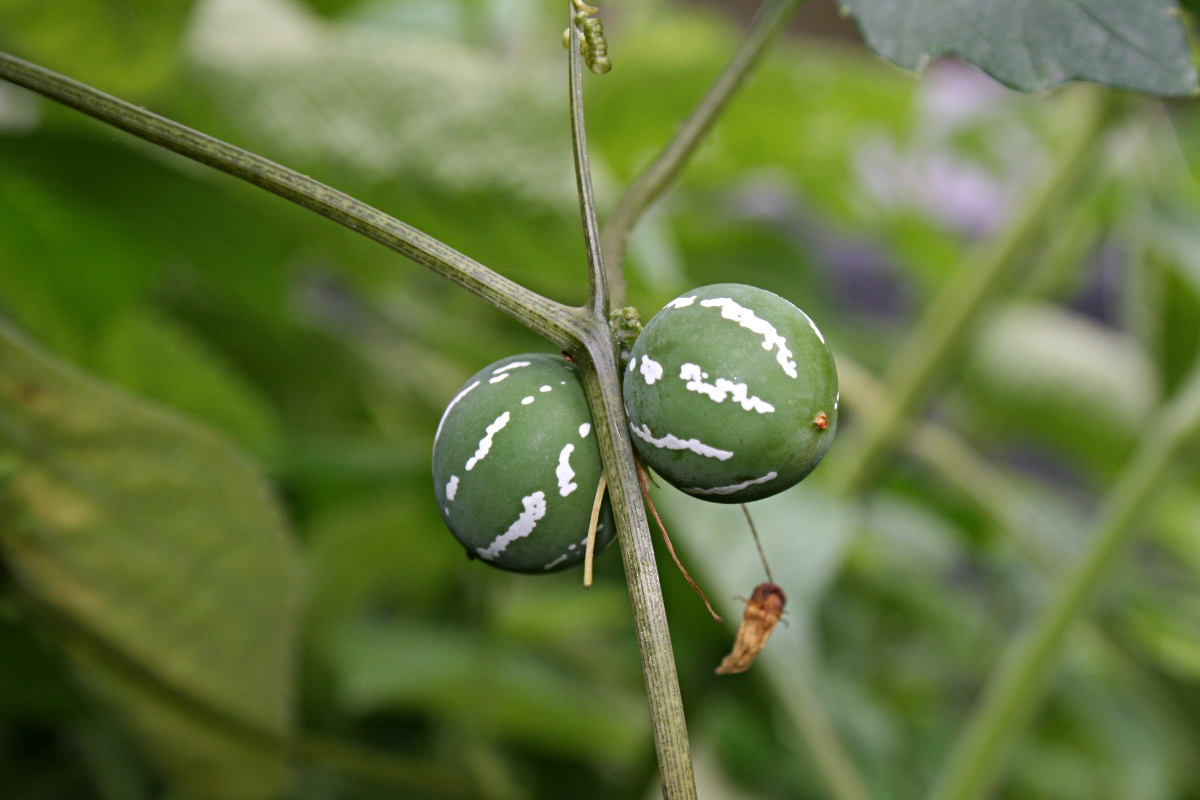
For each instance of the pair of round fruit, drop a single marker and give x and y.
(731, 394)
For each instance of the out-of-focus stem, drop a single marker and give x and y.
(928, 353)
(1016, 687)
(646, 188)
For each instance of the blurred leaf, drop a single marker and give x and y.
(1169, 631)
(386, 105)
(125, 48)
(1098, 739)
(160, 553)
(377, 552)
(1179, 528)
(163, 361)
(1049, 375)
(805, 534)
(332, 8)
(87, 269)
(1172, 246)
(33, 681)
(112, 222)
(1131, 44)
(510, 692)
(539, 614)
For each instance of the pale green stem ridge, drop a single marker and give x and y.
(1016, 687)
(928, 352)
(601, 377)
(557, 322)
(670, 162)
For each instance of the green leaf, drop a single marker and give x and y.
(164, 361)
(124, 47)
(514, 692)
(377, 551)
(155, 550)
(1131, 44)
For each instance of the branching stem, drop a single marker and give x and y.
(674, 156)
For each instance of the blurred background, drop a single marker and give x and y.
(847, 186)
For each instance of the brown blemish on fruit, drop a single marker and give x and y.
(821, 421)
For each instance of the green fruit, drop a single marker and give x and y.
(516, 466)
(732, 393)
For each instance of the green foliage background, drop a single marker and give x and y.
(217, 532)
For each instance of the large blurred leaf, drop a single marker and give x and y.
(1132, 44)
(159, 553)
(511, 692)
(165, 362)
(385, 104)
(805, 534)
(124, 47)
(377, 551)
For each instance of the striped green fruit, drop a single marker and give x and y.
(516, 466)
(732, 393)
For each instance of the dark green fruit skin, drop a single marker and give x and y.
(788, 440)
(500, 490)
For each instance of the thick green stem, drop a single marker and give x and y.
(601, 375)
(1016, 687)
(670, 162)
(929, 351)
(556, 322)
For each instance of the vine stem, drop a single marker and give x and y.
(927, 354)
(818, 732)
(1018, 683)
(651, 183)
(557, 322)
(601, 379)
(598, 300)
